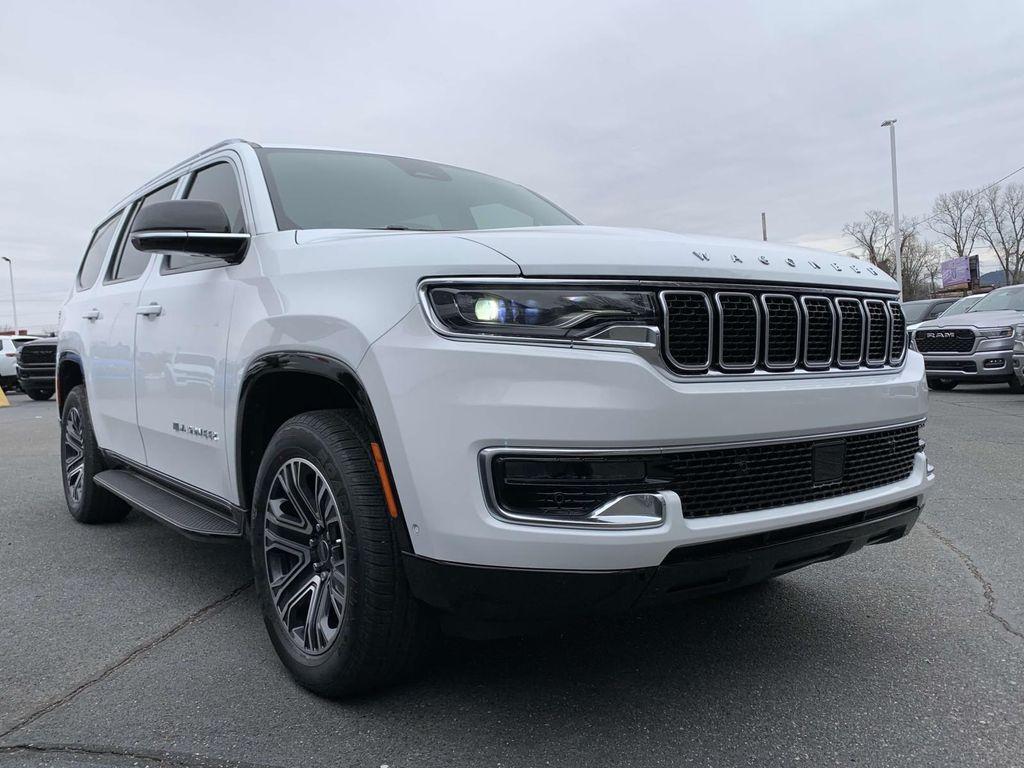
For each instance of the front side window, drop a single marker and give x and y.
(96, 252)
(216, 183)
(324, 189)
(1004, 298)
(133, 262)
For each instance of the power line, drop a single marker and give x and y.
(976, 195)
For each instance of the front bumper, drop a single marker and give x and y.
(977, 367)
(510, 595)
(440, 402)
(37, 378)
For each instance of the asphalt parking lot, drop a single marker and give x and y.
(128, 645)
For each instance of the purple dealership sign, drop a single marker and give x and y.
(956, 272)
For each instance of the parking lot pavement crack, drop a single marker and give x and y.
(986, 585)
(1001, 413)
(136, 756)
(135, 653)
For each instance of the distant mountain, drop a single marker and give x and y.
(995, 278)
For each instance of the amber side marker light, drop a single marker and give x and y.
(385, 481)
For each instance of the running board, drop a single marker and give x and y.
(187, 516)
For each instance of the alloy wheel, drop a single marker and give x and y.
(305, 552)
(74, 456)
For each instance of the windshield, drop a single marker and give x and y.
(324, 189)
(962, 305)
(1003, 298)
(915, 311)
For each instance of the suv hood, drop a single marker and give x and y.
(611, 252)
(584, 251)
(997, 318)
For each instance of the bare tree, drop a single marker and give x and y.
(921, 261)
(957, 218)
(1003, 228)
(874, 237)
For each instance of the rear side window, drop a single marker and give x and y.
(132, 262)
(216, 183)
(96, 251)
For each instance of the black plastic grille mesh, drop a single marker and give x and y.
(878, 331)
(720, 481)
(851, 331)
(738, 330)
(819, 330)
(782, 340)
(898, 336)
(732, 480)
(38, 354)
(940, 340)
(689, 329)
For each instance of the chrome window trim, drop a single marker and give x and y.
(711, 330)
(768, 331)
(721, 331)
(876, 362)
(839, 332)
(486, 455)
(827, 364)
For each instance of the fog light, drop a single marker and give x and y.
(487, 309)
(994, 362)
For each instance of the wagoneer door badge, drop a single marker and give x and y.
(701, 256)
(814, 264)
(188, 429)
(763, 259)
(790, 262)
(737, 259)
(836, 267)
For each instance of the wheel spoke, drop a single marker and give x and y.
(305, 555)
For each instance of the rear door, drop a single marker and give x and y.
(180, 352)
(108, 310)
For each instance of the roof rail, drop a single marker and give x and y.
(218, 145)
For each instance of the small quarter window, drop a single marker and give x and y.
(216, 183)
(133, 262)
(96, 252)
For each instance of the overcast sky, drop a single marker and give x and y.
(685, 116)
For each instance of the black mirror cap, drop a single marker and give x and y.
(189, 215)
(198, 227)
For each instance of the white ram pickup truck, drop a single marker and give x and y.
(423, 393)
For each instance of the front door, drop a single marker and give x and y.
(181, 346)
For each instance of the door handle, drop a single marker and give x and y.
(92, 314)
(149, 310)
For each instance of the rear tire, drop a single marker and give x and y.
(942, 385)
(327, 560)
(39, 394)
(80, 461)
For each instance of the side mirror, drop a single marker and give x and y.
(188, 226)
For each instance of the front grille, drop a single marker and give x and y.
(710, 482)
(967, 366)
(38, 355)
(945, 340)
(732, 331)
(731, 480)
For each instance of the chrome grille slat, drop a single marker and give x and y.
(877, 335)
(736, 331)
(851, 332)
(739, 331)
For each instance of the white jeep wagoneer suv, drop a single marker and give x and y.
(423, 393)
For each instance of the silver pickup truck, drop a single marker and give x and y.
(984, 345)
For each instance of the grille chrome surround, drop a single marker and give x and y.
(857, 336)
(730, 310)
(765, 330)
(702, 302)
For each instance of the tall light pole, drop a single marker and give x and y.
(14, 305)
(896, 235)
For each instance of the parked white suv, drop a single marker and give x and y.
(9, 346)
(426, 393)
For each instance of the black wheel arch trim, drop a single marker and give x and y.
(326, 367)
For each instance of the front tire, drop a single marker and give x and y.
(80, 461)
(39, 394)
(942, 385)
(326, 559)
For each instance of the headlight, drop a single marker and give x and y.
(996, 333)
(544, 312)
(1018, 339)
